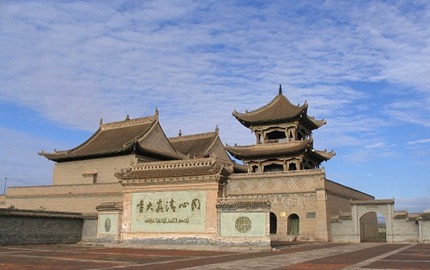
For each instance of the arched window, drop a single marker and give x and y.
(273, 223)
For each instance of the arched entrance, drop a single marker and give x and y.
(293, 225)
(367, 212)
(273, 223)
(373, 227)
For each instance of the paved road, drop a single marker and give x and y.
(319, 256)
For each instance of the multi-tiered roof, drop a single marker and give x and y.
(140, 136)
(283, 137)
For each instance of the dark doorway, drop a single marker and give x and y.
(273, 223)
(293, 224)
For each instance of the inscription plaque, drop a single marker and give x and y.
(175, 211)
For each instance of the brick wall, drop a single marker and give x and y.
(39, 227)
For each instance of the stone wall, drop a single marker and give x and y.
(341, 231)
(39, 227)
(405, 230)
(89, 228)
(424, 230)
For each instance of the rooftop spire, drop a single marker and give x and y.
(280, 89)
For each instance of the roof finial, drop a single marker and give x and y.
(101, 121)
(280, 89)
(217, 129)
(180, 133)
(127, 117)
(156, 111)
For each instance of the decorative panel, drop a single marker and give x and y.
(243, 224)
(175, 211)
(107, 224)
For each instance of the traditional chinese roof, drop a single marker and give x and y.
(279, 110)
(118, 138)
(322, 155)
(268, 150)
(152, 171)
(195, 146)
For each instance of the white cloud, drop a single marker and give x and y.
(74, 62)
(418, 141)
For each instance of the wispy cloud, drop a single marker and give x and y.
(76, 61)
(418, 141)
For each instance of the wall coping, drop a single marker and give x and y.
(39, 213)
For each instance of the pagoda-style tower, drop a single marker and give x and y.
(284, 140)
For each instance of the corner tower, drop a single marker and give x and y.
(283, 133)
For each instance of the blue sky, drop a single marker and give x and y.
(364, 66)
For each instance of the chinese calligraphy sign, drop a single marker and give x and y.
(176, 211)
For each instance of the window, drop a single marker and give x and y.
(292, 167)
(274, 168)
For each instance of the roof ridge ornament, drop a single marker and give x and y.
(280, 89)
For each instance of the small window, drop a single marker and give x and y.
(274, 168)
(292, 167)
(276, 135)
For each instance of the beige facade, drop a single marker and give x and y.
(148, 188)
(81, 198)
(92, 171)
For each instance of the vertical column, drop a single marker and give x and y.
(321, 231)
(389, 222)
(356, 224)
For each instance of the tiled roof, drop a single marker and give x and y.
(242, 203)
(194, 146)
(176, 168)
(109, 139)
(38, 213)
(373, 202)
(263, 150)
(279, 110)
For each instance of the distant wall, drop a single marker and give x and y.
(2, 200)
(64, 198)
(424, 230)
(39, 227)
(405, 230)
